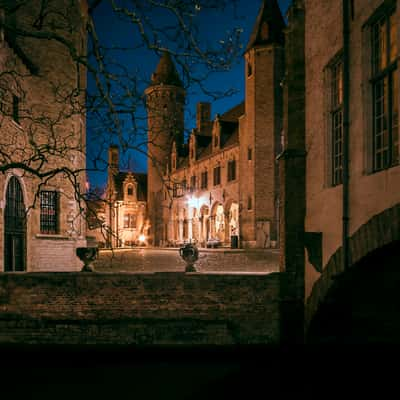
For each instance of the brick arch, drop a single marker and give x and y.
(381, 230)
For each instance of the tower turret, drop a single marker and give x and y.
(165, 99)
(260, 137)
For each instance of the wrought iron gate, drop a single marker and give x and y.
(14, 228)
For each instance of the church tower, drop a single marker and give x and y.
(165, 99)
(260, 131)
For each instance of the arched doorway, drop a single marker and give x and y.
(14, 228)
(363, 303)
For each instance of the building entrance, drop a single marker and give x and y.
(14, 228)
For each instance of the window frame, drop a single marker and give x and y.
(383, 79)
(217, 175)
(49, 223)
(231, 170)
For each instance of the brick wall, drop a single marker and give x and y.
(161, 308)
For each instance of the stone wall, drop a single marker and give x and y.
(160, 308)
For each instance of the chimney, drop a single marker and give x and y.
(113, 160)
(203, 118)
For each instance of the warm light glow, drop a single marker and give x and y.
(195, 202)
(142, 238)
(192, 202)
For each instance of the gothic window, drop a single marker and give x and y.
(231, 170)
(384, 83)
(49, 212)
(130, 221)
(336, 112)
(204, 180)
(217, 176)
(130, 190)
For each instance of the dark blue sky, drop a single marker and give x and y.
(214, 26)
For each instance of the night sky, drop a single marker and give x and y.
(213, 27)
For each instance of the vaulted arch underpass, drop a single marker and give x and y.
(363, 303)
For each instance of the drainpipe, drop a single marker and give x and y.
(346, 123)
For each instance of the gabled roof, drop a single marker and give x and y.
(233, 114)
(166, 73)
(141, 187)
(269, 25)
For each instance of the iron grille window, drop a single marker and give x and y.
(204, 180)
(231, 170)
(130, 221)
(337, 122)
(217, 176)
(385, 92)
(49, 212)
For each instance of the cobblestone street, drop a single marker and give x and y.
(168, 260)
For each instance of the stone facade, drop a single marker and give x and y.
(222, 185)
(119, 217)
(41, 221)
(350, 137)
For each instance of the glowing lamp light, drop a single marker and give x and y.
(142, 238)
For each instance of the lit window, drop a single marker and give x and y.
(385, 92)
(337, 122)
(130, 221)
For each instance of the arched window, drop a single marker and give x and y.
(14, 228)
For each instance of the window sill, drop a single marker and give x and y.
(51, 236)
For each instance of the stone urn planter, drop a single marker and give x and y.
(190, 255)
(87, 255)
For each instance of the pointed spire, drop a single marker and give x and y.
(166, 72)
(269, 25)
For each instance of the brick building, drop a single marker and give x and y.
(118, 218)
(341, 160)
(223, 182)
(42, 128)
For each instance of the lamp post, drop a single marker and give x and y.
(117, 205)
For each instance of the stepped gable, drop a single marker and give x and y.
(269, 26)
(166, 73)
(141, 187)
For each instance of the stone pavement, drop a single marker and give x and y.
(168, 260)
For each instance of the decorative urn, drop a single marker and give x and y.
(190, 255)
(87, 255)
